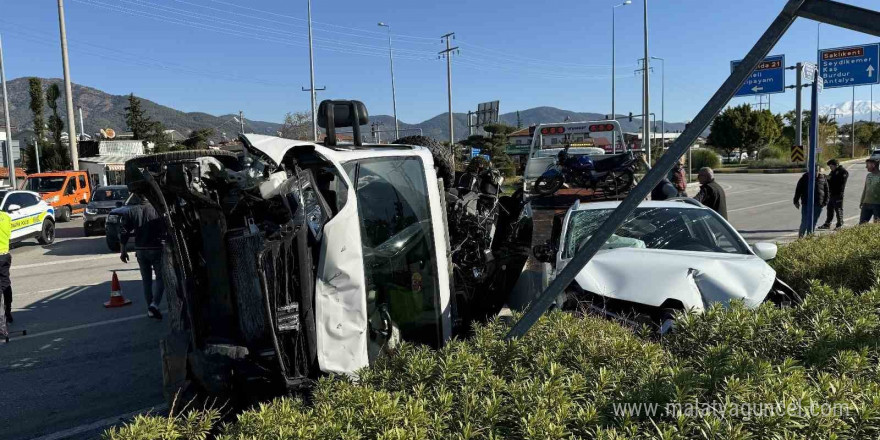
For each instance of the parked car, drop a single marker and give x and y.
(31, 217)
(111, 224)
(104, 200)
(876, 152)
(669, 256)
(67, 191)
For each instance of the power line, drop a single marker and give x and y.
(246, 34)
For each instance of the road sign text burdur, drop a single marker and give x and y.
(850, 66)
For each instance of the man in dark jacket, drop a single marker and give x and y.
(664, 190)
(836, 188)
(144, 223)
(711, 194)
(800, 201)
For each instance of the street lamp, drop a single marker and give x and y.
(662, 100)
(393, 93)
(646, 104)
(613, 55)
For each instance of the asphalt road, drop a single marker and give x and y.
(82, 367)
(80, 363)
(760, 205)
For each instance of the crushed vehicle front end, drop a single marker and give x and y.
(671, 256)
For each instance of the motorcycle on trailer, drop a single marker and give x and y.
(613, 175)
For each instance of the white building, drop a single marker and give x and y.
(106, 164)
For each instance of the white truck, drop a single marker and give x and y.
(549, 139)
(297, 259)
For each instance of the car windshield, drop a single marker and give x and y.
(110, 194)
(681, 229)
(45, 184)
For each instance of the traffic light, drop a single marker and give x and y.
(630, 116)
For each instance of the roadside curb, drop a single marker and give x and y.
(762, 171)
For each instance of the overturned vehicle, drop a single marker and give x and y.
(295, 259)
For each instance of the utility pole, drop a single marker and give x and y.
(82, 131)
(313, 92)
(613, 55)
(853, 123)
(393, 93)
(312, 78)
(799, 127)
(646, 104)
(662, 100)
(448, 55)
(37, 153)
(241, 121)
(68, 90)
(10, 160)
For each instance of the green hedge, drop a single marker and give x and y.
(569, 377)
(847, 258)
(704, 157)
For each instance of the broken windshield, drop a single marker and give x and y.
(683, 229)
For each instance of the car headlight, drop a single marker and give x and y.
(91, 210)
(53, 199)
(112, 219)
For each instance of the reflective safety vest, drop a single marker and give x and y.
(5, 232)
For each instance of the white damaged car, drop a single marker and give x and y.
(669, 256)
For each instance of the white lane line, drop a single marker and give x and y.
(80, 327)
(77, 289)
(758, 206)
(67, 261)
(59, 435)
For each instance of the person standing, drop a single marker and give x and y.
(836, 189)
(5, 282)
(711, 194)
(820, 198)
(679, 179)
(870, 201)
(144, 223)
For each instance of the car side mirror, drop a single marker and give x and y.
(543, 253)
(13, 208)
(765, 251)
(119, 204)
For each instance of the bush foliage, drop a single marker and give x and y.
(848, 258)
(704, 157)
(574, 377)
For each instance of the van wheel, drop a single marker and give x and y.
(63, 214)
(47, 234)
(443, 158)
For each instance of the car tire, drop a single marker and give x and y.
(443, 160)
(114, 246)
(63, 214)
(135, 180)
(47, 233)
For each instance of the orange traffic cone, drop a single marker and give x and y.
(116, 298)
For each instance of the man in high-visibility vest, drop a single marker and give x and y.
(5, 282)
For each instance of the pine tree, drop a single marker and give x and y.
(35, 90)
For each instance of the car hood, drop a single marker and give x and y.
(697, 279)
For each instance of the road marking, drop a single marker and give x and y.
(758, 206)
(81, 327)
(67, 261)
(160, 408)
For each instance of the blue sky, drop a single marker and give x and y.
(221, 56)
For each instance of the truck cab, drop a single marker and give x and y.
(67, 191)
(598, 139)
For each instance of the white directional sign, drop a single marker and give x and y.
(809, 71)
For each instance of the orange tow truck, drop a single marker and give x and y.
(67, 191)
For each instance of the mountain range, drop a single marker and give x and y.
(862, 109)
(104, 110)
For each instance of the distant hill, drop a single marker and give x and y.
(102, 110)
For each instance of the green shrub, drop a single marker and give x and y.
(570, 377)
(845, 259)
(772, 152)
(704, 157)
